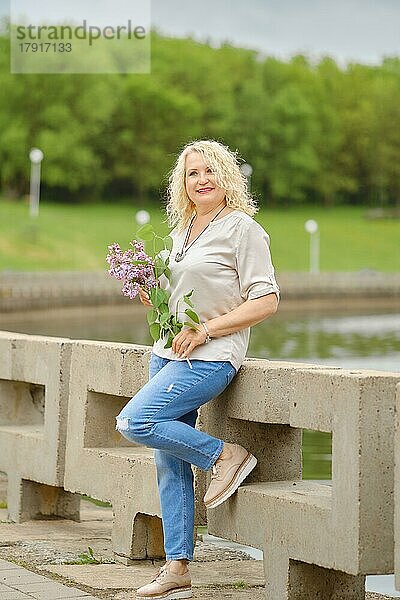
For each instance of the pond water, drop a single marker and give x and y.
(351, 338)
(367, 339)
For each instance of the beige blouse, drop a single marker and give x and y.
(228, 264)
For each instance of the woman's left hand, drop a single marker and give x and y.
(187, 340)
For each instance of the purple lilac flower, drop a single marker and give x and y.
(130, 289)
(133, 276)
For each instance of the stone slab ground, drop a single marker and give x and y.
(37, 553)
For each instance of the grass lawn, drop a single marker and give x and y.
(75, 237)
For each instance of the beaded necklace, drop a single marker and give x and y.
(180, 255)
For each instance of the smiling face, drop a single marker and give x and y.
(200, 183)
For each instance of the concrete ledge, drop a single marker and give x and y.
(288, 506)
(351, 284)
(397, 489)
(346, 532)
(33, 408)
(38, 290)
(99, 461)
(58, 402)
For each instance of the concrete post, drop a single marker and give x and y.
(28, 500)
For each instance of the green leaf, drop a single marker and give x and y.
(152, 293)
(186, 298)
(159, 261)
(159, 266)
(164, 318)
(189, 302)
(194, 316)
(165, 295)
(87, 558)
(159, 297)
(169, 341)
(168, 241)
(146, 232)
(158, 271)
(158, 244)
(190, 325)
(167, 273)
(155, 331)
(152, 316)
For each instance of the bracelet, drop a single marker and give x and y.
(208, 339)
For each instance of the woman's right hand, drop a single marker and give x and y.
(145, 298)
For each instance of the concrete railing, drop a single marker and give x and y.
(42, 290)
(99, 461)
(34, 390)
(319, 541)
(58, 402)
(397, 489)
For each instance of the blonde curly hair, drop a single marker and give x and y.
(225, 165)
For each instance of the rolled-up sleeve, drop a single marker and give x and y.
(254, 264)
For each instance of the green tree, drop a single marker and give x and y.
(149, 122)
(292, 161)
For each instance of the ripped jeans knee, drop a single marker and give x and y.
(122, 424)
(132, 430)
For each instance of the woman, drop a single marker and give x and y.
(221, 253)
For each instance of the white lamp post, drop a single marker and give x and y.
(247, 171)
(311, 227)
(142, 217)
(36, 157)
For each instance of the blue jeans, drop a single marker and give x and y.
(162, 415)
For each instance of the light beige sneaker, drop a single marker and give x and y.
(166, 586)
(228, 474)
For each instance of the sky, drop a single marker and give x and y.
(348, 30)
